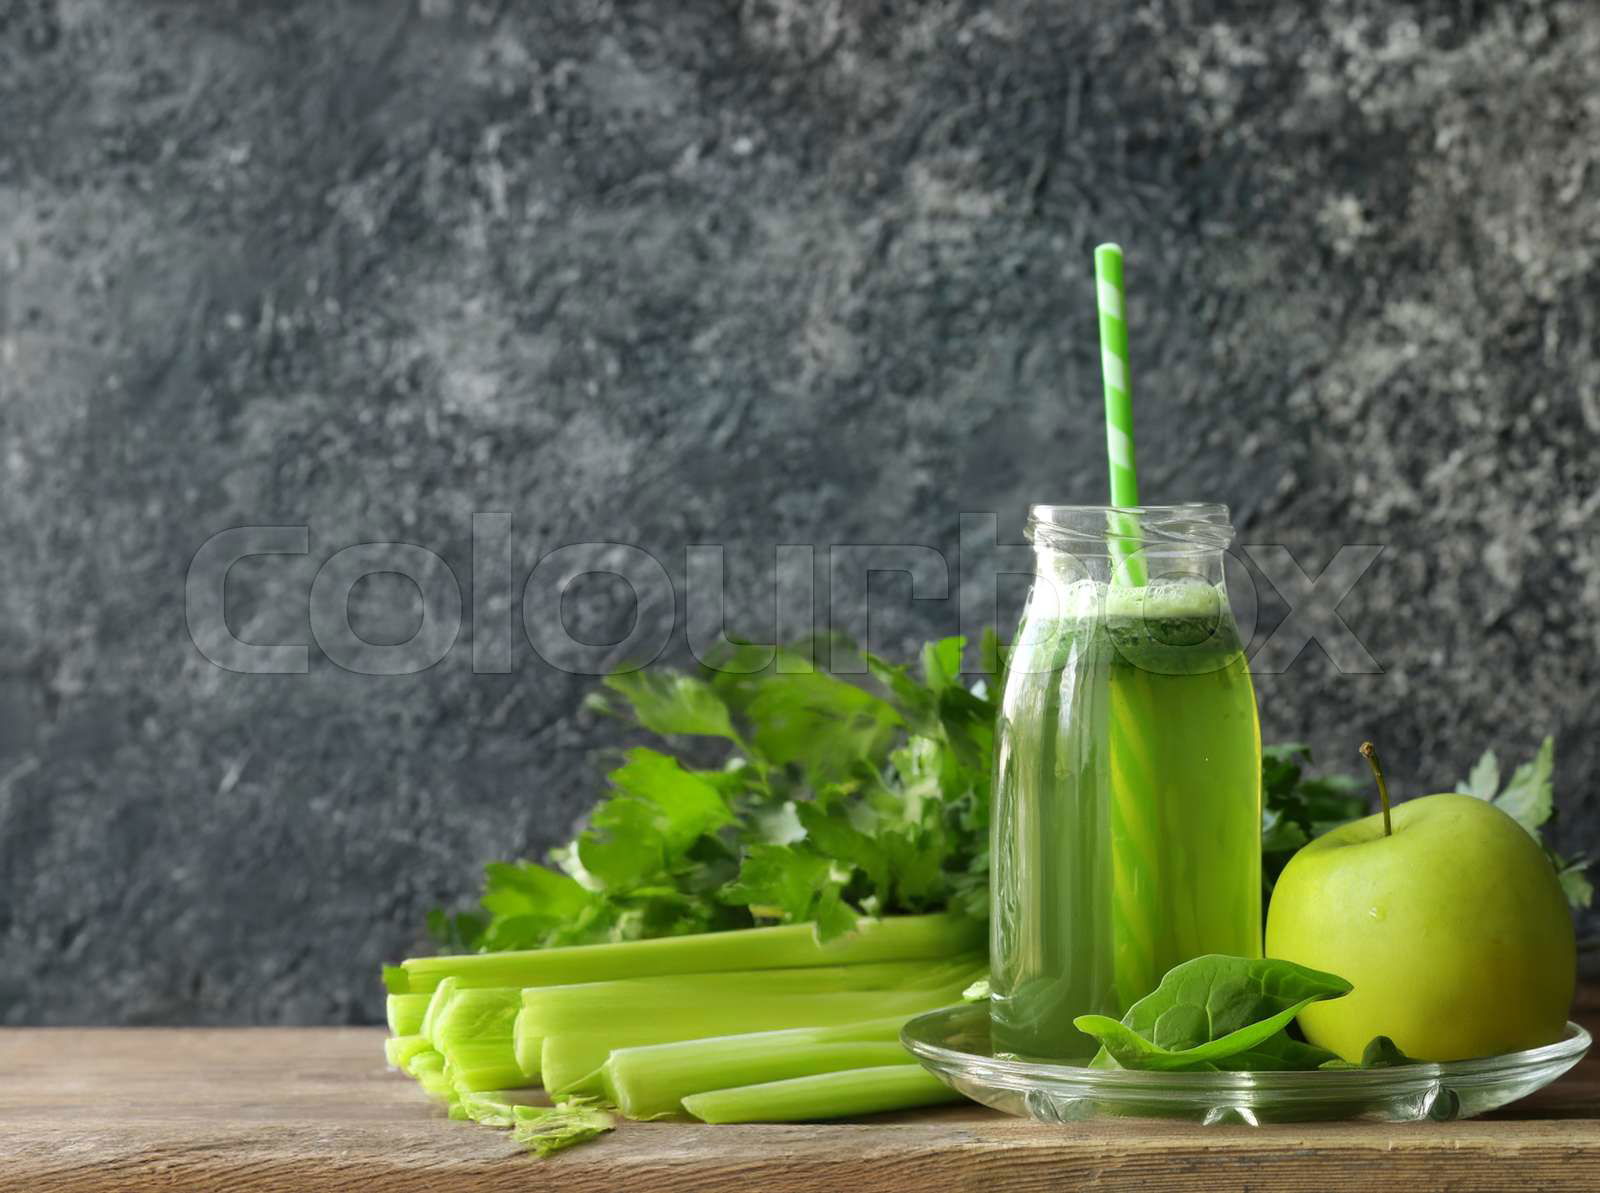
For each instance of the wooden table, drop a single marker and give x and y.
(314, 1109)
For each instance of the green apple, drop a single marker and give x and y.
(1453, 930)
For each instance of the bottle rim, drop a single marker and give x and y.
(1195, 525)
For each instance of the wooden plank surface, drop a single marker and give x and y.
(315, 1109)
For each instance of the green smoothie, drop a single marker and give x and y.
(1127, 815)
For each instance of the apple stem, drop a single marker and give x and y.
(1370, 753)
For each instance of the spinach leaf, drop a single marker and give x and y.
(1381, 1053)
(1209, 1009)
(1281, 1052)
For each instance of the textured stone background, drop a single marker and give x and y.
(761, 272)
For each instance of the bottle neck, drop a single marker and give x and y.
(1157, 565)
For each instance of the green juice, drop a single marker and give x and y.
(1127, 816)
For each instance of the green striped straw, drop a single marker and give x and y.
(1119, 410)
(1135, 855)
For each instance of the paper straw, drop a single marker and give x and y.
(1119, 410)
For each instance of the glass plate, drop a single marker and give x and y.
(954, 1044)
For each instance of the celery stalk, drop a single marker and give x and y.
(921, 974)
(650, 1081)
(439, 998)
(406, 1012)
(578, 1041)
(660, 1094)
(587, 1006)
(473, 1028)
(475, 1014)
(825, 1095)
(897, 938)
(483, 1064)
(428, 1068)
(695, 1012)
(570, 1064)
(398, 1050)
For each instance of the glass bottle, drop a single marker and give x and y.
(1126, 831)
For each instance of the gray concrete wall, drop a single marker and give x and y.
(790, 271)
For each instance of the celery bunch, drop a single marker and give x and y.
(770, 1023)
(635, 968)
